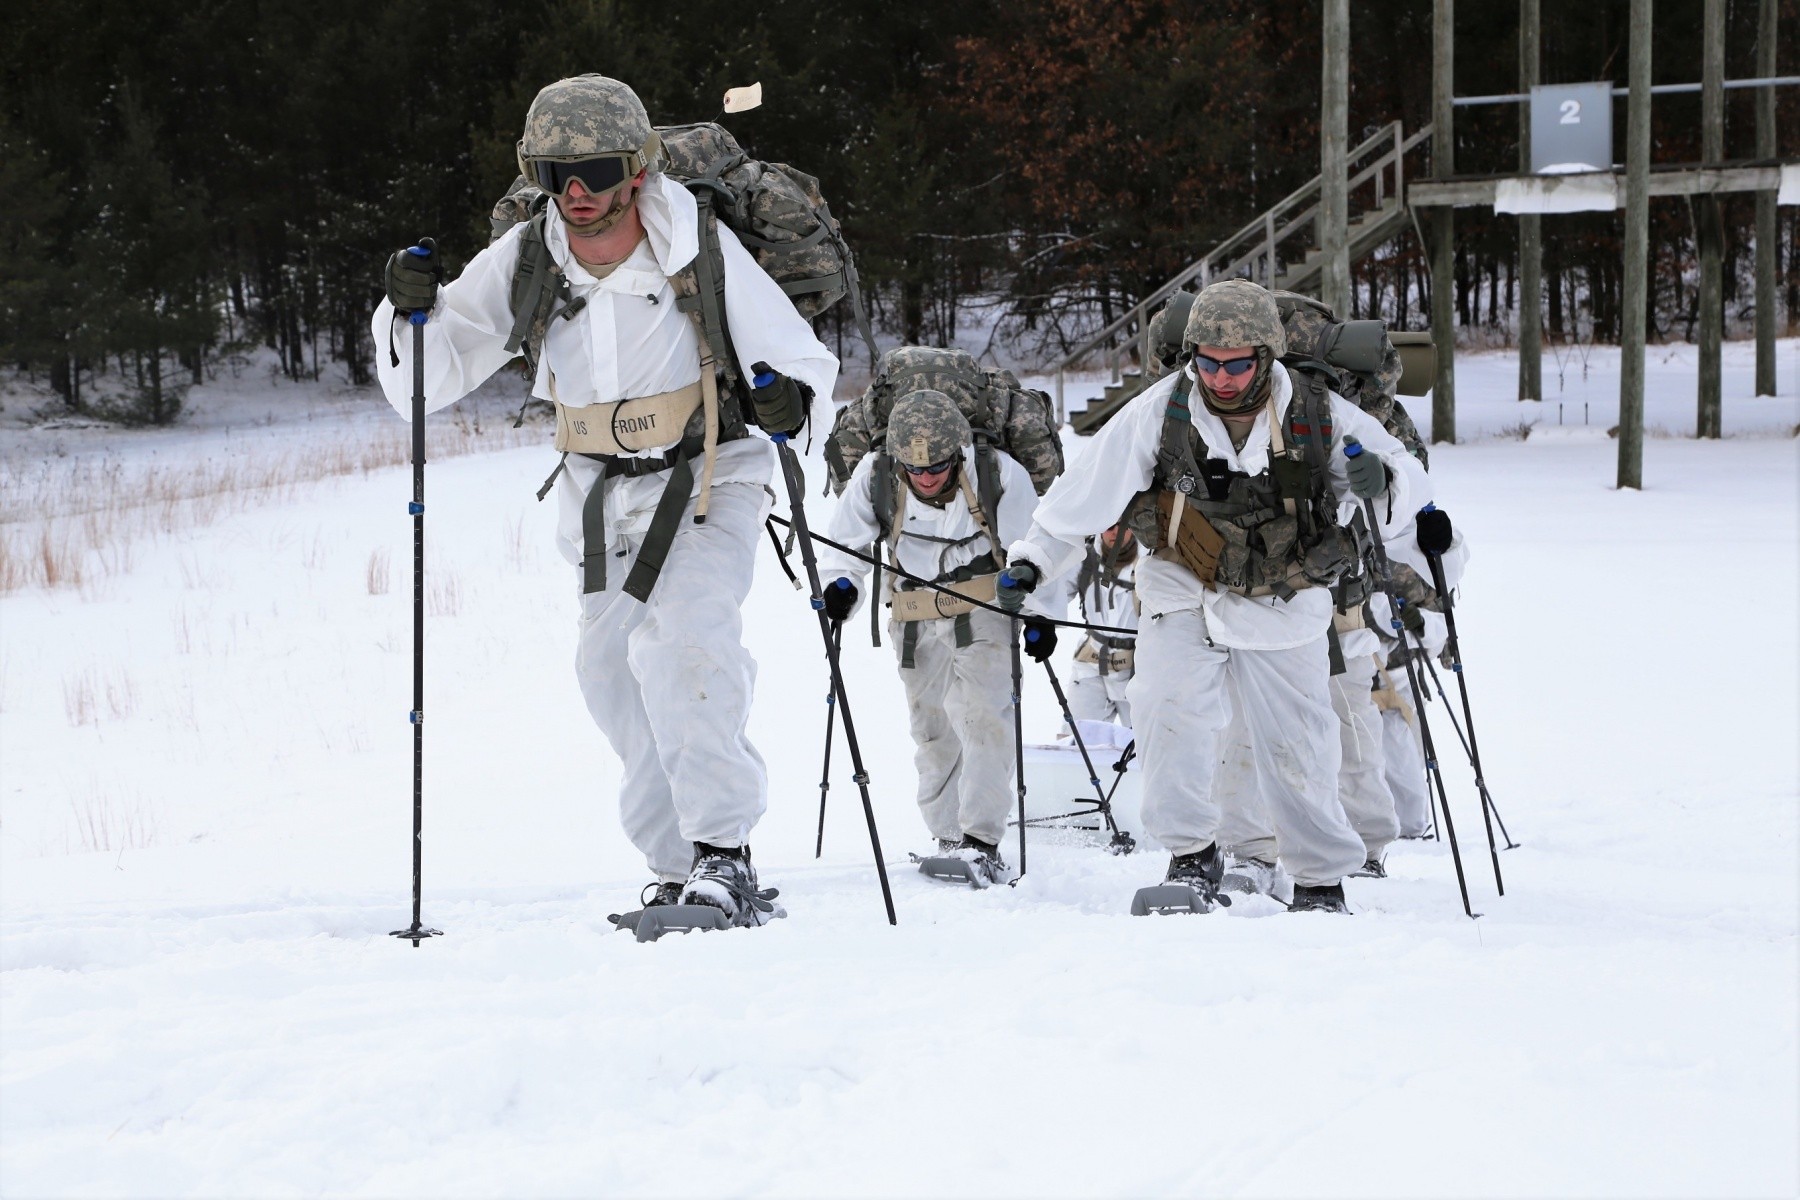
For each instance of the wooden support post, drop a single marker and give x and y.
(1708, 227)
(1531, 226)
(1443, 235)
(1334, 167)
(1765, 203)
(1637, 246)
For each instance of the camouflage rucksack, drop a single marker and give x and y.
(1361, 358)
(776, 211)
(1003, 415)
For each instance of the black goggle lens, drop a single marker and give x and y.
(933, 469)
(1231, 366)
(597, 175)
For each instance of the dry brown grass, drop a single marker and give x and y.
(443, 594)
(377, 571)
(92, 692)
(64, 522)
(104, 823)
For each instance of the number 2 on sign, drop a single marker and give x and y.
(1571, 112)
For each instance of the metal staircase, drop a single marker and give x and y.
(1268, 251)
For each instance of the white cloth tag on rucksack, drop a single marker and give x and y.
(743, 99)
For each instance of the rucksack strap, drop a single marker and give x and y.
(1176, 455)
(707, 305)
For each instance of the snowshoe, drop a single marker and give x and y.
(654, 895)
(1373, 869)
(971, 861)
(721, 893)
(1255, 877)
(1319, 898)
(1190, 885)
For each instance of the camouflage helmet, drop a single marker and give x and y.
(926, 428)
(1235, 313)
(589, 116)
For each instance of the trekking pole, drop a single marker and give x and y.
(1122, 843)
(1384, 572)
(790, 470)
(1469, 752)
(416, 932)
(1436, 536)
(1018, 687)
(825, 771)
(1120, 767)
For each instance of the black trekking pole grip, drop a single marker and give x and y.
(417, 317)
(790, 470)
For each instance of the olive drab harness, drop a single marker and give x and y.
(1112, 654)
(973, 580)
(609, 433)
(1270, 534)
(814, 271)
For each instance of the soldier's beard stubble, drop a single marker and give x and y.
(606, 221)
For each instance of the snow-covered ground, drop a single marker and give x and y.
(205, 800)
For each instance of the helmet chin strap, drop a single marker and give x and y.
(606, 221)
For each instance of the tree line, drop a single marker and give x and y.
(185, 181)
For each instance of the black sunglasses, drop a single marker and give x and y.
(1231, 366)
(933, 469)
(597, 175)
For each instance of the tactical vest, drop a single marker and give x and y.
(1099, 572)
(1276, 532)
(975, 578)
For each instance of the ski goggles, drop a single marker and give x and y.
(933, 469)
(598, 175)
(1234, 367)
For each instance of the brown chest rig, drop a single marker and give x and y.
(1270, 534)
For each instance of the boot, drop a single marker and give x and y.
(724, 878)
(1319, 898)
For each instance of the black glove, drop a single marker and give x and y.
(1015, 583)
(779, 402)
(1368, 474)
(1434, 532)
(413, 275)
(1412, 617)
(840, 598)
(1040, 640)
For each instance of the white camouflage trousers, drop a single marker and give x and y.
(669, 683)
(1362, 779)
(1097, 697)
(1405, 771)
(1276, 795)
(959, 705)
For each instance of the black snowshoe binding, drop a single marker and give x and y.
(1191, 885)
(971, 861)
(1319, 898)
(654, 895)
(1373, 869)
(721, 893)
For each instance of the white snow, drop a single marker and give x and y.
(205, 808)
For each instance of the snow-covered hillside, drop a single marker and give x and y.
(204, 840)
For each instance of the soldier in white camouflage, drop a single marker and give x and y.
(1257, 475)
(955, 659)
(663, 490)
